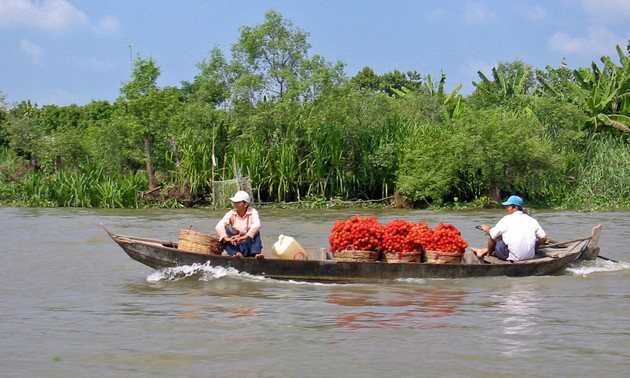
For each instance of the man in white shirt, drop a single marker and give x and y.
(515, 236)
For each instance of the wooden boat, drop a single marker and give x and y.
(550, 259)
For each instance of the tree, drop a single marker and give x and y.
(4, 116)
(366, 79)
(62, 143)
(484, 152)
(396, 80)
(149, 109)
(23, 135)
(4, 105)
(53, 117)
(212, 84)
(317, 77)
(267, 58)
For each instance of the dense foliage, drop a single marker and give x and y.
(301, 130)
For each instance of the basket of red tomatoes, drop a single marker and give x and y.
(401, 242)
(445, 246)
(356, 239)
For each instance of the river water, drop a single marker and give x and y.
(72, 304)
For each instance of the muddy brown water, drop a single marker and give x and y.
(73, 304)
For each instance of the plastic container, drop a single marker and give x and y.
(287, 248)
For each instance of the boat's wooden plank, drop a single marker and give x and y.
(494, 260)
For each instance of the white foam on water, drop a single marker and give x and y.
(412, 280)
(206, 272)
(597, 266)
(316, 283)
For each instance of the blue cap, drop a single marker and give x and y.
(513, 200)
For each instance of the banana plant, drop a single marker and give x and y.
(508, 80)
(604, 94)
(453, 102)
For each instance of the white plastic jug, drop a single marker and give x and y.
(287, 248)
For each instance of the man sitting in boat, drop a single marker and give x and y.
(515, 236)
(238, 230)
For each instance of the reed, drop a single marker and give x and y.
(194, 171)
(604, 176)
(29, 192)
(76, 189)
(349, 150)
(324, 163)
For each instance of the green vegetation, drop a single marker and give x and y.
(307, 135)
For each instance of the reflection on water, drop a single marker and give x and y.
(401, 308)
(519, 309)
(214, 304)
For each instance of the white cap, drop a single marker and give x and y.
(240, 196)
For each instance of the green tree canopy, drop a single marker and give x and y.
(267, 58)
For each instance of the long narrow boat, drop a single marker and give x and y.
(552, 259)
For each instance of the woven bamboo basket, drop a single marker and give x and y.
(403, 257)
(439, 257)
(351, 255)
(198, 242)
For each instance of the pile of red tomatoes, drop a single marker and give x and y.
(446, 238)
(365, 233)
(359, 233)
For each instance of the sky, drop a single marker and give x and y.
(66, 52)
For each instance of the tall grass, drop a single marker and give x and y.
(348, 151)
(195, 166)
(75, 189)
(604, 175)
(323, 165)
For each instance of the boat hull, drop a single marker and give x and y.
(162, 254)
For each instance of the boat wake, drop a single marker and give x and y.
(412, 280)
(586, 268)
(202, 272)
